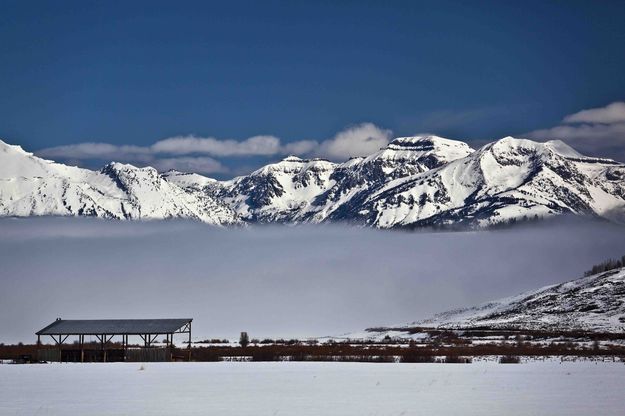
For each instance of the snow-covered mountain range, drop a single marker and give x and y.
(593, 303)
(30, 186)
(414, 181)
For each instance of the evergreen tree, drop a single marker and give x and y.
(244, 339)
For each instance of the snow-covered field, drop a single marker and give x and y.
(282, 388)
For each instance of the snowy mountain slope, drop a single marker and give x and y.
(594, 303)
(403, 157)
(151, 196)
(506, 180)
(413, 182)
(189, 180)
(297, 190)
(280, 191)
(431, 181)
(31, 186)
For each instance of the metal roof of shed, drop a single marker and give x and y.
(113, 326)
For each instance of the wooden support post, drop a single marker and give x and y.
(171, 346)
(81, 340)
(189, 341)
(38, 346)
(60, 349)
(166, 344)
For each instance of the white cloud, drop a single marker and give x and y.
(179, 145)
(612, 113)
(360, 140)
(132, 154)
(609, 134)
(197, 154)
(595, 131)
(254, 146)
(91, 150)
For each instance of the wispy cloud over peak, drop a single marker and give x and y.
(95, 150)
(611, 113)
(199, 154)
(359, 140)
(253, 146)
(595, 131)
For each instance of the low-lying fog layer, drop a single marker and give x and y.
(274, 281)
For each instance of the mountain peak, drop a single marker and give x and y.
(187, 180)
(424, 141)
(13, 148)
(297, 159)
(292, 158)
(516, 145)
(16, 162)
(557, 147)
(516, 141)
(126, 167)
(292, 164)
(563, 149)
(431, 151)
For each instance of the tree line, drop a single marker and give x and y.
(609, 264)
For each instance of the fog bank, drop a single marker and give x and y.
(274, 281)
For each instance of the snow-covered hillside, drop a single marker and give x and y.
(413, 182)
(594, 303)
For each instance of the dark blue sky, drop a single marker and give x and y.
(136, 73)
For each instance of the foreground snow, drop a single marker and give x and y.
(483, 388)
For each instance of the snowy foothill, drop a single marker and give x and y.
(289, 388)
